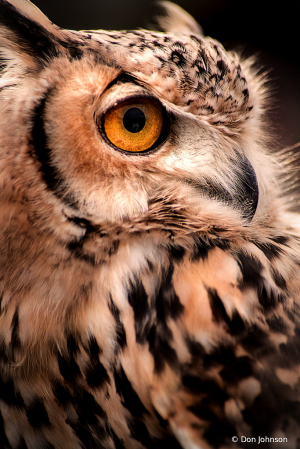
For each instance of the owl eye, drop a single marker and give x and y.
(134, 125)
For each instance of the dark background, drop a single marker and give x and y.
(271, 30)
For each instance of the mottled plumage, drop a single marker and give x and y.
(148, 299)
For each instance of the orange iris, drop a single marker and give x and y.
(134, 125)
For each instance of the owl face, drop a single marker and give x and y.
(113, 124)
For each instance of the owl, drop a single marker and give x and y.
(149, 254)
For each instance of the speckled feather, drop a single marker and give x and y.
(147, 300)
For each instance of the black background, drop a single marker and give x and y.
(270, 30)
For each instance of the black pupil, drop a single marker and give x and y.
(134, 120)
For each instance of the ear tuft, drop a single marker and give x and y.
(177, 20)
(26, 9)
(26, 34)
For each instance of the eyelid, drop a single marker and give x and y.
(128, 99)
(119, 92)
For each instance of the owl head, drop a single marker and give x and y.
(132, 131)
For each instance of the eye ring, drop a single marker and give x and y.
(136, 125)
